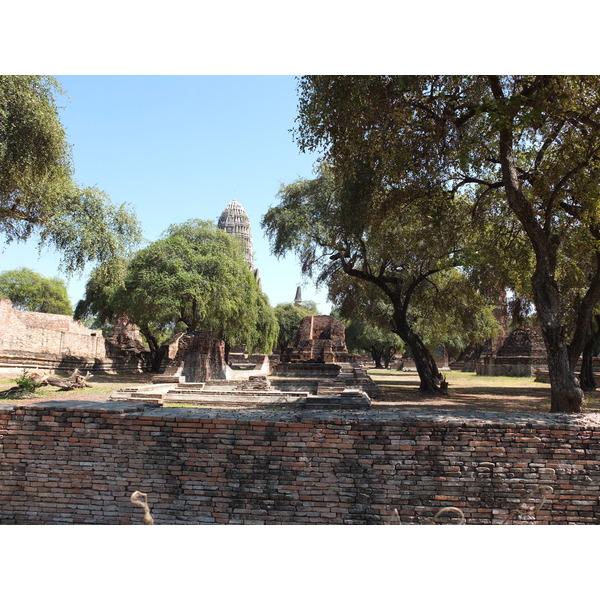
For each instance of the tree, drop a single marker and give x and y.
(289, 317)
(38, 193)
(381, 344)
(452, 313)
(573, 276)
(547, 140)
(193, 278)
(100, 290)
(448, 312)
(397, 253)
(530, 144)
(263, 335)
(28, 290)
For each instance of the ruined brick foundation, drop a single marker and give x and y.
(47, 343)
(321, 338)
(71, 462)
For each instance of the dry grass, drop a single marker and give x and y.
(470, 392)
(103, 385)
(467, 392)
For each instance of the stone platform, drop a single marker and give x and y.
(350, 388)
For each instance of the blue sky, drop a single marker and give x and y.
(181, 147)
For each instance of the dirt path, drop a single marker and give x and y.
(470, 392)
(467, 392)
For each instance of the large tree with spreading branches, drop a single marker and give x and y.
(341, 226)
(38, 192)
(194, 278)
(525, 145)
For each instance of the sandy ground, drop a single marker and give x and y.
(102, 388)
(470, 392)
(467, 392)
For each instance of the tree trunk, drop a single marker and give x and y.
(565, 394)
(227, 350)
(156, 352)
(376, 356)
(432, 381)
(586, 377)
(156, 358)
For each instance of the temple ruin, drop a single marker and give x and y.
(521, 354)
(48, 342)
(319, 339)
(234, 220)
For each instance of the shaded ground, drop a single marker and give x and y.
(467, 392)
(470, 392)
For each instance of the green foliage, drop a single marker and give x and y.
(450, 311)
(371, 252)
(28, 290)
(289, 317)
(523, 151)
(381, 344)
(98, 302)
(196, 275)
(263, 335)
(25, 383)
(193, 278)
(38, 193)
(447, 309)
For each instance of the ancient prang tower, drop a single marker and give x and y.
(235, 221)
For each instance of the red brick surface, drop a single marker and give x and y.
(22, 330)
(79, 463)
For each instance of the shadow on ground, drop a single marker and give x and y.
(470, 392)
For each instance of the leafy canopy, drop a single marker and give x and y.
(28, 290)
(381, 344)
(38, 193)
(193, 278)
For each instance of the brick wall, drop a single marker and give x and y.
(68, 462)
(47, 342)
(22, 330)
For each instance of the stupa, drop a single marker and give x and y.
(234, 220)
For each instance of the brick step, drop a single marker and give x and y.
(199, 385)
(120, 395)
(340, 386)
(242, 393)
(153, 395)
(220, 382)
(166, 378)
(222, 402)
(350, 401)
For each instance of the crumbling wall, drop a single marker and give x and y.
(319, 338)
(196, 356)
(48, 342)
(75, 462)
(521, 355)
(23, 330)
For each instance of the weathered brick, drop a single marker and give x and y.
(80, 466)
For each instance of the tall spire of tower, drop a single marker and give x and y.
(235, 221)
(298, 298)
